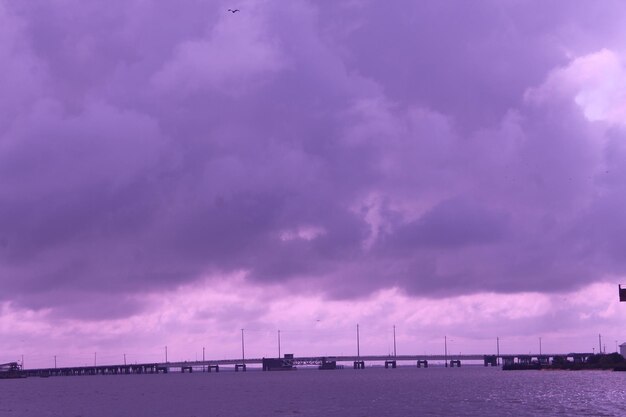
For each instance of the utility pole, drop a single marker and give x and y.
(165, 353)
(540, 346)
(498, 350)
(22, 361)
(279, 343)
(394, 341)
(358, 347)
(243, 352)
(599, 343)
(445, 349)
(94, 359)
(124, 359)
(55, 361)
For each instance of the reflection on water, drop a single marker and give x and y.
(469, 391)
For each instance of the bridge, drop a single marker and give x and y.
(323, 362)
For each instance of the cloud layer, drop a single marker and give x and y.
(337, 148)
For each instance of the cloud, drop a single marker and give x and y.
(238, 51)
(440, 149)
(598, 82)
(210, 315)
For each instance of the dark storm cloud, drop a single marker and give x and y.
(353, 146)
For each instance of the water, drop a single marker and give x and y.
(373, 392)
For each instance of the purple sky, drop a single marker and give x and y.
(171, 173)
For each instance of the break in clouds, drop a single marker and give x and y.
(442, 148)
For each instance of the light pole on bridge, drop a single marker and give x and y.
(358, 347)
(498, 350)
(445, 349)
(394, 341)
(243, 351)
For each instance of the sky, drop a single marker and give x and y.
(172, 173)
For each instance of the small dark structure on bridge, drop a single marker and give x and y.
(328, 364)
(622, 294)
(279, 364)
(11, 370)
(491, 360)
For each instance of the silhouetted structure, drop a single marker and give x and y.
(279, 364)
(11, 370)
(328, 365)
(390, 363)
(491, 360)
(511, 361)
(622, 293)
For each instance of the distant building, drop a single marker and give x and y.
(622, 349)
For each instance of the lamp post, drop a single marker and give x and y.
(394, 341)
(278, 343)
(445, 350)
(498, 350)
(243, 351)
(358, 342)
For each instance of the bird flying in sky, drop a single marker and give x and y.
(233, 10)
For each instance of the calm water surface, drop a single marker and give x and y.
(469, 391)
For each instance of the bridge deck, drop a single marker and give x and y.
(302, 360)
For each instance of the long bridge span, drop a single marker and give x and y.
(290, 361)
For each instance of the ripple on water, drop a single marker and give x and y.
(373, 392)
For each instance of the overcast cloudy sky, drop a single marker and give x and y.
(171, 172)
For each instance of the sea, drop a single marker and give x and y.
(371, 392)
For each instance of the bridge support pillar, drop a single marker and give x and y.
(216, 367)
(455, 362)
(390, 363)
(491, 360)
(422, 362)
(241, 366)
(359, 365)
